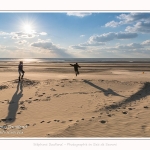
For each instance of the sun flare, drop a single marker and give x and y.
(27, 28)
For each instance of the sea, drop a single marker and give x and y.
(78, 60)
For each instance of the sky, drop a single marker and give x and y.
(74, 34)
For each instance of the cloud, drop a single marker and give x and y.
(3, 33)
(120, 50)
(134, 17)
(100, 40)
(143, 27)
(111, 36)
(128, 19)
(19, 35)
(146, 43)
(78, 47)
(112, 24)
(131, 46)
(79, 14)
(126, 35)
(43, 33)
(92, 43)
(21, 42)
(51, 47)
(84, 46)
(82, 35)
(2, 47)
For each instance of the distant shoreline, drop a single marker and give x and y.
(79, 60)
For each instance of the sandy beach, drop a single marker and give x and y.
(104, 100)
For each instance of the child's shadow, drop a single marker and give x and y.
(14, 104)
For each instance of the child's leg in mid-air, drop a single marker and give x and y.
(77, 72)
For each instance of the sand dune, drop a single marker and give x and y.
(110, 102)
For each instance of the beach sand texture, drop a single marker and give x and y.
(104, 100)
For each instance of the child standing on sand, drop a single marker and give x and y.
(20, 70)
(76, 66)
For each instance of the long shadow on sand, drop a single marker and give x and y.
(14, 104)
(145, 91)
(106, 92)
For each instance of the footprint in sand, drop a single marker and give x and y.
(109, 115)
(36, 99)
(123, 107)
(70, 120)
(40, 95)
(63, 122)
(56, 120)
(145, 106)
(82, 119)
(23, 108)
(19, 112)
(3, 120)
(42, 121)
(34, 124)
(30, 98)
(21, 102)
(75, 124)
(124, 112)
(48, 121)
(102, 121)
(77, 121)
(52, 89)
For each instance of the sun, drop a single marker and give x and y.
(28, 28)
(27, 25)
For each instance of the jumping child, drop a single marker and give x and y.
(76, 66)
